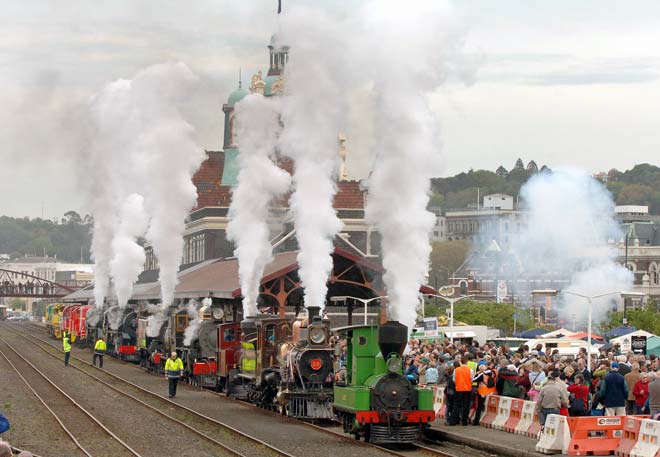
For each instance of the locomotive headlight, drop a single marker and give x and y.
(218, 314)
(317, 335)
(394, 365)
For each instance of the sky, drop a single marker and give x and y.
(563, 83)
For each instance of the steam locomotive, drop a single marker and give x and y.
(285, 366)
(377, 402)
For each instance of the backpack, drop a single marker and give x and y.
(491, 382)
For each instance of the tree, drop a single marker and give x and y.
(72, 217)
(490, 314)
(646, 318)
(446, 258)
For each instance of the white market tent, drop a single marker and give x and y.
(620, 340)
(562, 331)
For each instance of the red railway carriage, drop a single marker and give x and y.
(68, 317)
(79, 323)
(229, 343)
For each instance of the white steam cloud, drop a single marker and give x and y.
(407, 66)
(259, 180)
(141, 144)
(312, 114)
(193, 323)
(129, 256)
(571, 233)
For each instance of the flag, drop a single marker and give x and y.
(279, 6)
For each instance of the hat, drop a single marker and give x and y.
(535, 352)
(554, 374)
(614, 366)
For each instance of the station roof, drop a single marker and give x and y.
(219, 278)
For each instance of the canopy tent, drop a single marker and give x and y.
(620, 339)
(594, 338)
(531, 334)
(457, 335)
(619, 331)
(562, 332)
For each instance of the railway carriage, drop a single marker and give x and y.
(377, 402)
(54, 316)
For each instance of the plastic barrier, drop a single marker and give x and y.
(556, 436)
(631, 434)
(503, 412)
(648, 444)
(527, 417)
(439, 403)
(595, 435)
(492, 406)
(514, 415)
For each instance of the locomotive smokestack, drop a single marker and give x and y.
(248, 327)
(314, 313)
(392, 337)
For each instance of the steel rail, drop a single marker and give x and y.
(80, 407)
(161, 398)
(274, 413)
(41, 400)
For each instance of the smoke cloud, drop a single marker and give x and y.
(129, 256)
(193, 324)
(259, 180)
(571, 233)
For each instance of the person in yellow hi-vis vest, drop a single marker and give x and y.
(173, 371)
(248, 357)
(99, 351)
(66, 346)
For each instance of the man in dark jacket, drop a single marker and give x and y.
(507, 380)
(614, 392)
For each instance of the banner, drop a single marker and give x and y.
(501, 290)
(638, 344)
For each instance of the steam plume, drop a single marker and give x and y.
(129, 256)
(259, 180)
(407, 66)
(312, 111)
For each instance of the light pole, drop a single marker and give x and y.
(451, 302)
(589, 298)
(362, 300)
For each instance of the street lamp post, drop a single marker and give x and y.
(451, 302)
(589, 311)
(362, 300)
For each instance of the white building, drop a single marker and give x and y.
(43, 267)
(499, 201)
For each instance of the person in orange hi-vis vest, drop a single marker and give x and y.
(485, 380)
(463, 397)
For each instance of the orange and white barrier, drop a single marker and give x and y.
(631, 434)
(648, 443)
(490, 411)
(515, 413)
(598, 435)
(556, 435)
(439, 403)
(503, 413)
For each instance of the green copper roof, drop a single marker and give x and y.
(236, 96)
(230, 171)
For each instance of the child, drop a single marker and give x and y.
(533, 393)
(432, 374)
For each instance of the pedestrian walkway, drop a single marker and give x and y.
(496, 442)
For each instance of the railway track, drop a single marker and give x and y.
(79, 421)
(245, 448)
(415, 450)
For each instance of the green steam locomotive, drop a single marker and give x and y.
(377, 402)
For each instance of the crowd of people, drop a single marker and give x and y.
(617, 384)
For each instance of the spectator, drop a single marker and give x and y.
(431, 374)
(450, 394)
(631, 379)
(485, 386)
(507, 379)
(533, 393)
(641, 393)
(579, 397)
(4, 424)
(551, 398)
(613, 392)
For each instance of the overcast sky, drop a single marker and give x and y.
(562, 82)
